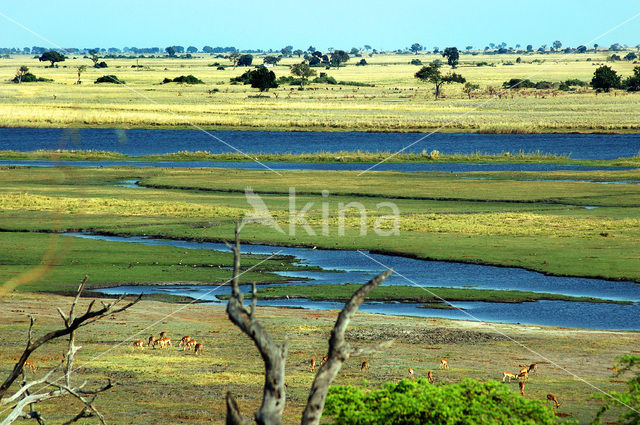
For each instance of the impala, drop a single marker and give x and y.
(508, 375)
(184, 340)
(430, 376)
(524, 374)
(521, 384)
(198, 349)
(365, 366)
(554, 400)
(533, 368)
(313, 364)
(138, 343)
(189, 345)
(411, 373)
(444, 364)
(31, 366)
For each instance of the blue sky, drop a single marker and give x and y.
(265, 24)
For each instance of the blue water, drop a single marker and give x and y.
(282, 166)
(142, 142)
(341, 266)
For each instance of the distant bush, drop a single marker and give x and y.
(289, 80)
(362, 62)
(576, 82)
(417, 402)
(324, 79)
(614, 57)
(108, 79)
(30, 78)
(220, 68)
(544, 85)
(519, 84)
(633, 83)
(415, 62)
(482, 64)
(102, 64)
(186, 79)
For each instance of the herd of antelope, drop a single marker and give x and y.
(186, 343)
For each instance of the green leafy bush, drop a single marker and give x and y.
(629, 400)
(187, 79)
(518, 83)
(108, 79)
(416, 402)
(29, 78)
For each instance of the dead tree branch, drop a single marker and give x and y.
(22, 398)
(274, 355)
(339, 352)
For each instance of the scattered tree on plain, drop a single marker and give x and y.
(52, 56)
(271, 60)
(452, 55)
(605, 79)
(245, 60)
(80, 69)
(22, 71)
(469, 87)
(338, 57)
(171, 51)
(416, 47)
(303, 71)
(633, 83)
(431, 73)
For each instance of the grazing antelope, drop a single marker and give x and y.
(189, 345)
(324, 359)
(430, 376)
(444, 364)
(365, 366)
(508, 375)
(521, 384)
(313, 364)
(533, 368)
(31, 366)
(524, 373)
(411, 373)
(138, 343)
(554, 400)
(162, 342)
(198, 349)
(151, 339)
(163, 334)
(184, 340)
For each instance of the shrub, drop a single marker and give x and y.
(30, 78)
(187, 79)
(614, 57)
(545, 85)
(245, 60)
(102, 64)
(416, 402)
(605, 78)
(108, 79)
(362, 62)
(324, 79)
(633, 83)
(518, 83)
(415, 62)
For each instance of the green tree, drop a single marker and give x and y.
(631, 56)
(303, 71)
(287, 51)
(245, 60)
(192, 49)
(633, 83)
(22, 71)
(298, 52)
(51, 56)
(557, 44)
(233, 58)
(416, 47)
(80, 69)
(630, 400)
(469, 88)
(171, 51)
(262, 79)
(338, 57)
(605, 79)
(271, 60)
(431, 73)
(452, 55)
(417, 402)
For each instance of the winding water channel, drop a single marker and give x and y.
(340, 266)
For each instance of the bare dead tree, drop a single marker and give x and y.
(274, 355)
(58, 380)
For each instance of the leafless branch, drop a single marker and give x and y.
(273, 355)
(339, 352)
(23, 398)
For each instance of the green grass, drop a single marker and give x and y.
(536, 225)
(414, 294)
